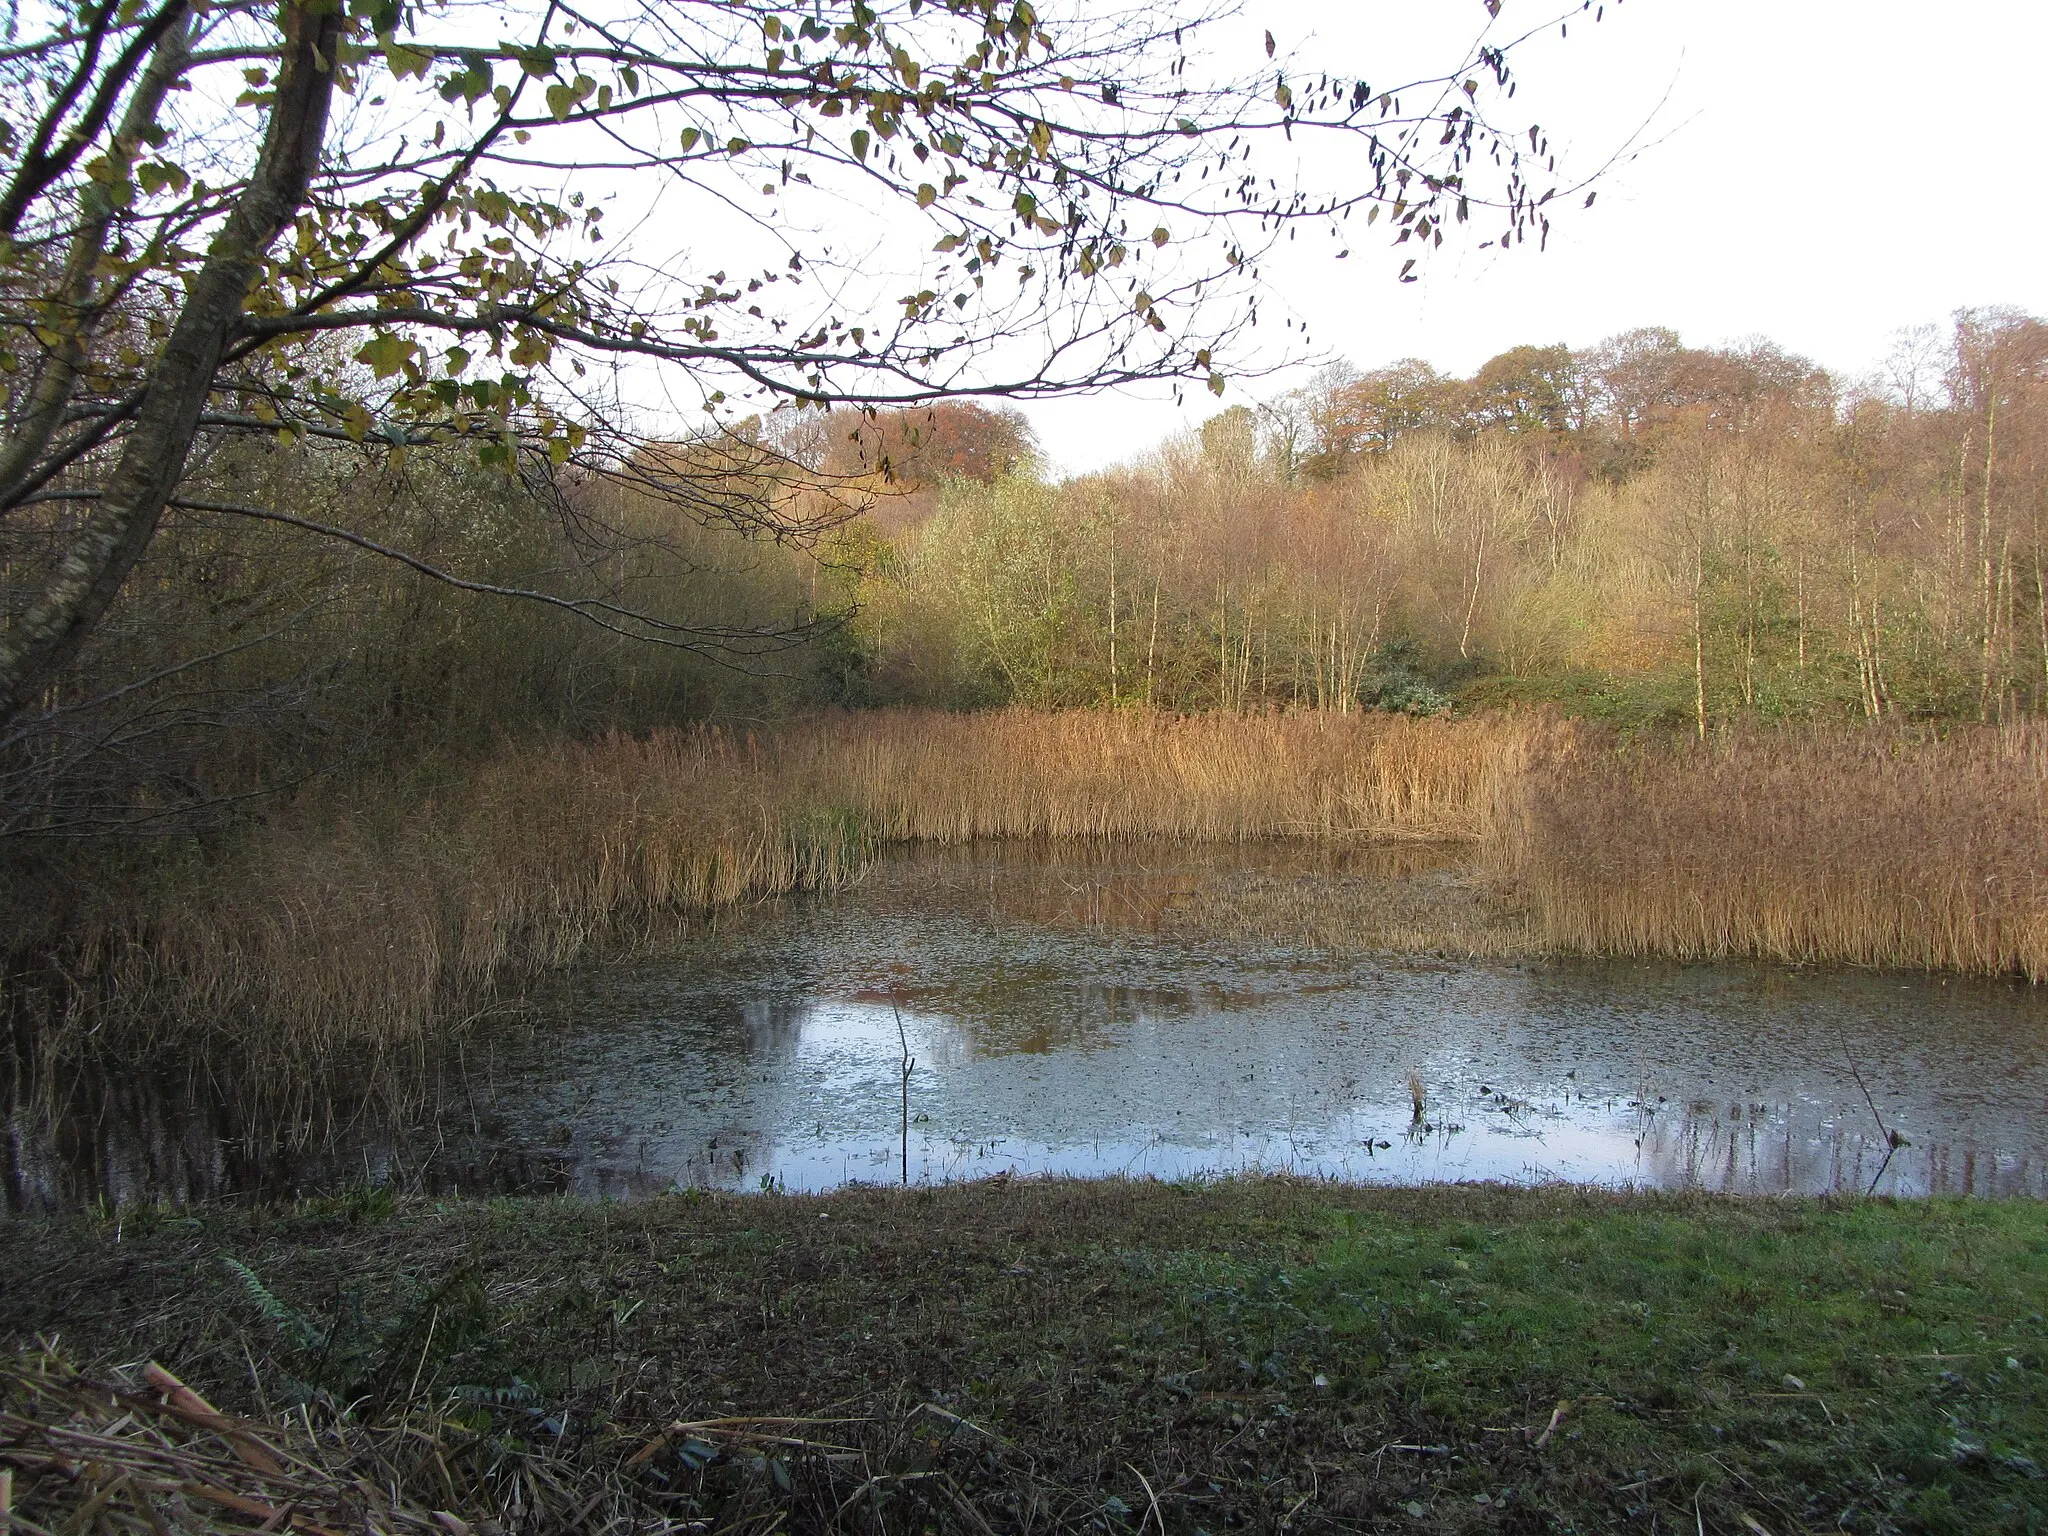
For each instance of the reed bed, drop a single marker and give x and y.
(371, 924)
(917, 776)
(1871, 847)
(373, 921)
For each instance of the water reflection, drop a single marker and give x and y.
(1066, 1016)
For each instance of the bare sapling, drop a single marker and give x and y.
(909, 1065)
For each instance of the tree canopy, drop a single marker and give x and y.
(395, 228)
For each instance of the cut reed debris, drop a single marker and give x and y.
(112, 1456)
(107, 1455)
(1063, 1358)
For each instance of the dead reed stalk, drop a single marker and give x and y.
(120, 1457)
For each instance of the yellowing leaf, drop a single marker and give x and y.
(386, 354)
(356, 421)
(405, 62)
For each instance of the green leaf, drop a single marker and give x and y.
(385, 353)
(155, 175)
(530, 349)
(405, 62)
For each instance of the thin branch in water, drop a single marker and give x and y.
(909, 1066)
(1892, 1139)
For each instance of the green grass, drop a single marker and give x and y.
(1267, 1354)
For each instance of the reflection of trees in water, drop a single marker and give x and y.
(137, 1140)
(773, 1026)
(1805, 1148)
(133, 1137)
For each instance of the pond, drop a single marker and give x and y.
(1171, 1012)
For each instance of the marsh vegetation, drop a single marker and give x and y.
(379, 918)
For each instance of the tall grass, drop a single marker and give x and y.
(1861, 847)
(368, 923)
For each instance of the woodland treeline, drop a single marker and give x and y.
(1641, 530)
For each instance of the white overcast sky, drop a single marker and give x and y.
(1821, 172)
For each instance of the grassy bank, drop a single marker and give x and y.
(371, 920)
(1112, 1356)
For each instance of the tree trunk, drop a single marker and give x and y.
(89, 575)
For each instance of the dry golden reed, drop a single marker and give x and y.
(369, 923)
(1019, 773)
(372, 920)
(1864, 847)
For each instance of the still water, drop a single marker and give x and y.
(1062, 1014)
